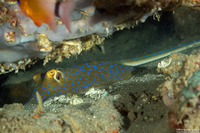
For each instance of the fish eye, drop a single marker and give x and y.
(18, 1)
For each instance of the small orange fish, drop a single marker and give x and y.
(44, 11)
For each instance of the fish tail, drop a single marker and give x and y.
(156, 56)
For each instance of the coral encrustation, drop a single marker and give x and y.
(92, 21)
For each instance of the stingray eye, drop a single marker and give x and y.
(51, 73)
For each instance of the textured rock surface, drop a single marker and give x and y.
(20, 38)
